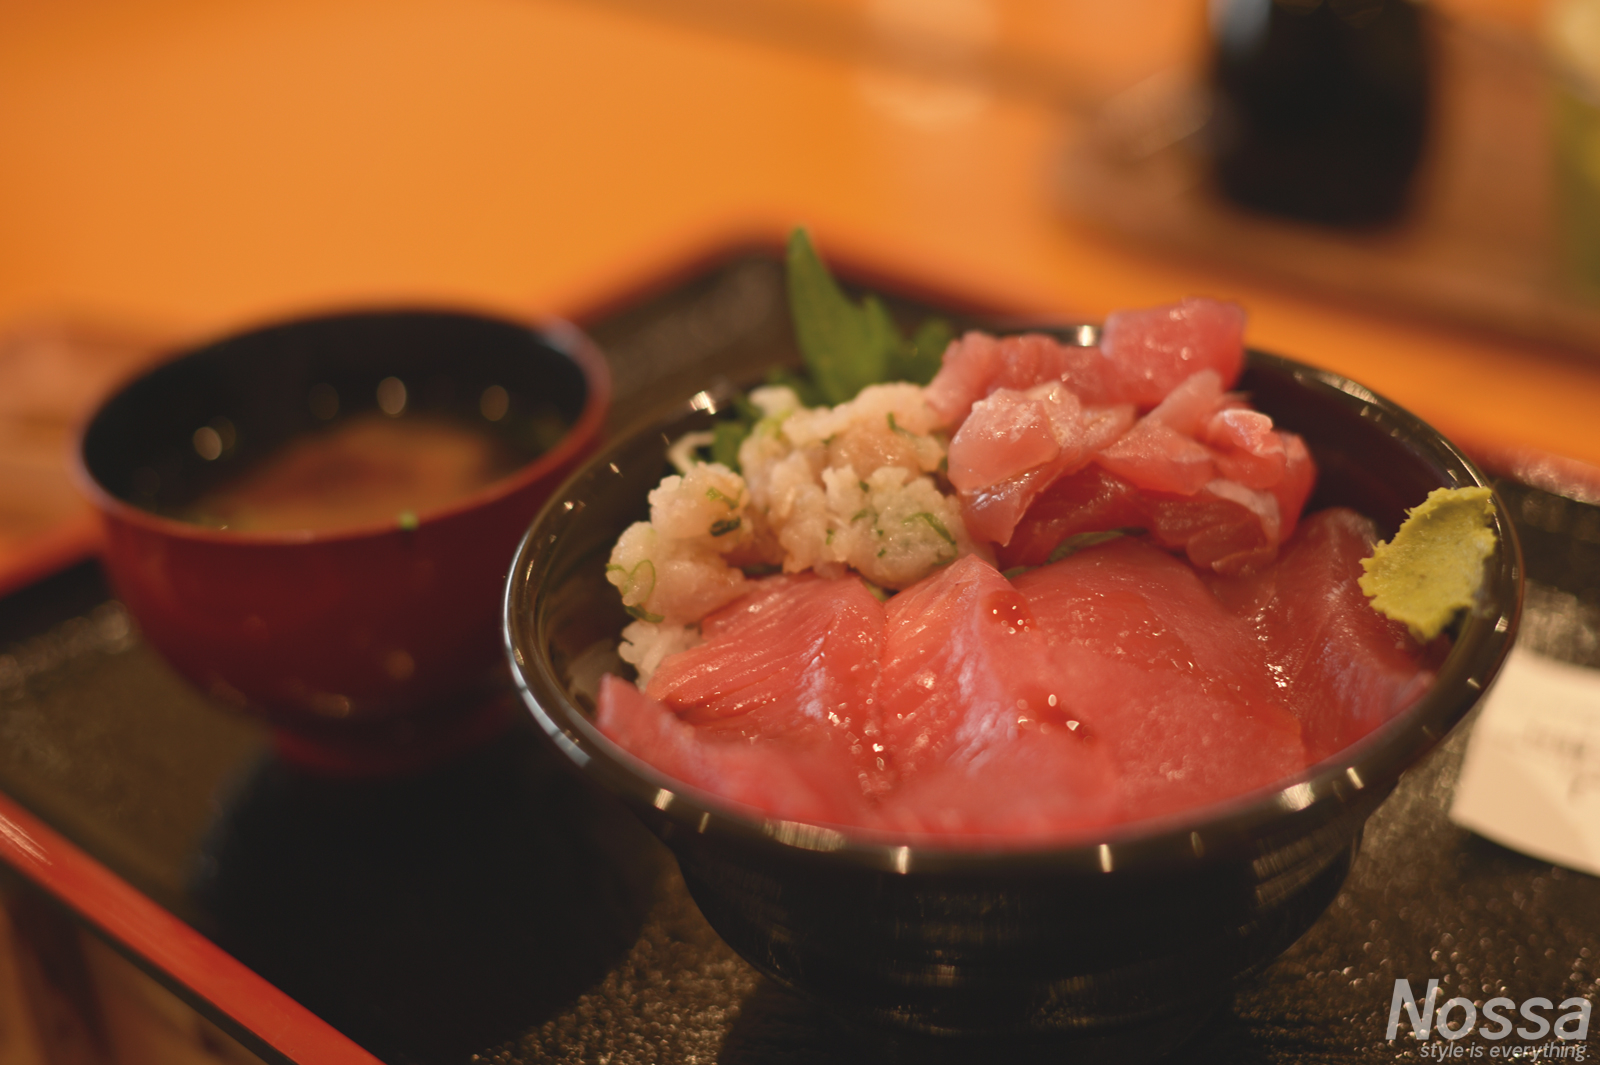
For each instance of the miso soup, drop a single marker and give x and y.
(365, 469)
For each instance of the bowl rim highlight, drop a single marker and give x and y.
(558, 334)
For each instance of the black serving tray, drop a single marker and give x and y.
(494, 909)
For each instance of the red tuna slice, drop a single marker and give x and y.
(1250, 452)
(992, 513)
(1155, 349)
(971, 712)
(977, 364)
(1222, 533)
(1344, 667)
(1191, 405)
(1157, 457)
(798, 656)
(1171, 684)
(1091, 500)
(1009, 433)
(795, 781)
(1294, 487)
(1039, 785)
(1227, 528)
(1246, 448)
(1143, 355)
(1160, 452)
(1014, 444)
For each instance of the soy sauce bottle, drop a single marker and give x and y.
(1320, 106)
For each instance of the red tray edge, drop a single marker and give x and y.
(110, 905)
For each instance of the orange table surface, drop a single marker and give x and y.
(187, 167)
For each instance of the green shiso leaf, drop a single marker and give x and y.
(728, 434)
(644, 615)
(810, 395)
(845, 346)
(848, 346)
(1434, 566)
(725, 440)
(917, 360)
(1071, 545)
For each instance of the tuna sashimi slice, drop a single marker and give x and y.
(798, 656)
(1169, 683)
(1190, 406)
(1160, 452)
(1294, 487)
(1157, 457)
(1039, 785)
(1009, 433)
(1091, 500)
(1014, 444)
(1246, 448)
(1154, 349)
(1346, 668)
(1143, 355)
(972, 709)
(1223, 528)
(977, 364)
(794, 781)
(1244, 480)
(992, 513)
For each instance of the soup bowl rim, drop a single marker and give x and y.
(558, 334)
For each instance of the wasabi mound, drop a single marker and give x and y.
(1434, 565)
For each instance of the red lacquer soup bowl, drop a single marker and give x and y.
(351, 633)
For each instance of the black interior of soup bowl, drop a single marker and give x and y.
(180, 430)
(1120, 944)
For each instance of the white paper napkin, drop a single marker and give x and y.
(1531, 778)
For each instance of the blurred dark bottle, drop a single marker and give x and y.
(1320, 106)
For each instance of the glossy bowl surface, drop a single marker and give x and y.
(343, 636)
(1111, 948)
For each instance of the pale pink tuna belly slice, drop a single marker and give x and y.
(1346, 668)
(788, 779)
(1294, 487)
(972, 715)
(1246, 447)
(1171, 684)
